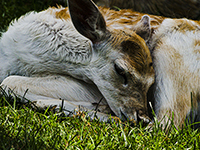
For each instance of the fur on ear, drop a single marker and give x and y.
(143, 27)
(87, 19)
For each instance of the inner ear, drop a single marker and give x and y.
(143, 27)
(87, 19)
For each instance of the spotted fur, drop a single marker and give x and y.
(176, 58)
(174, 45)
(167, 8)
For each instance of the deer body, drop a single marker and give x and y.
(62, 63)
(76, 57)
(176, 56)
(174, 46)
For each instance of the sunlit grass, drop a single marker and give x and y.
(25, 127)
(22, 127)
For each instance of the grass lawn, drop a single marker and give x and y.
(22, 127)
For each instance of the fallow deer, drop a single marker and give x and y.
(82, 60)
(174, 46)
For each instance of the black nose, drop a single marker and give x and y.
(142, 118)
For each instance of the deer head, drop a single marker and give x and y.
(121, 64)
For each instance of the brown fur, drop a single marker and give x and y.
(168, 8)
(116, 18)
(174, 45)
(127, 17)
(63, 14)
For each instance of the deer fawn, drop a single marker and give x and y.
(175, 49)
(107, 60)
(82, 60)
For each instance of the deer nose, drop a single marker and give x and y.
(142, 117)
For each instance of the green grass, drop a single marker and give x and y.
(12, 9)
(24, 127)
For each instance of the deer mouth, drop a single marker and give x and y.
(135, 118)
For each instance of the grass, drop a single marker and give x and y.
(12, 9)
(23, 127)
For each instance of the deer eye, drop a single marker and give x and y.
(121, 72)
(150, 64)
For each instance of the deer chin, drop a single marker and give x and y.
(127, 112)
(126, 107)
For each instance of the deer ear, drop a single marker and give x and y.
(143, 27)
(87, 19)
